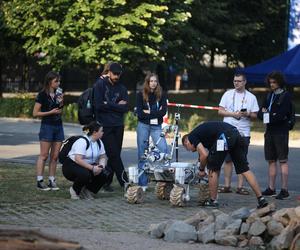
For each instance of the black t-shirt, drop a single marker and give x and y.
(207, 133)
(47, 105)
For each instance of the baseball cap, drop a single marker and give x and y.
(115, 68)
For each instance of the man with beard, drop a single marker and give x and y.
(111, 103)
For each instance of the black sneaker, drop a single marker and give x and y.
(108, 189)
(52, 185)
(211, 204)
(262, 202)
(42, 186)
(283, 195)
(269, 192)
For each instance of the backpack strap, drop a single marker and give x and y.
(99, 144)
(87, 142)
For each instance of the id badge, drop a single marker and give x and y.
(154, 121)
(220, 145)
(266, 118)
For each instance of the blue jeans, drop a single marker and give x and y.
(144, 131)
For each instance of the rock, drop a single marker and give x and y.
(234, 227)
(244, 228)
(257, 228)
(266, 219)
(284, 239)
(297, 211)
(207, 234)
(225, 238)
(210, 219)
(256, 241)
(274, 227)
(157, 230)
(222, 221)
(197, 218)
(180, 232)
(242, 213)
(243, 243)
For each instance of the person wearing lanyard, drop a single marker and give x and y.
(213, 140)
(151, 104)
(238, 106)
(274, 113)
(85, 166)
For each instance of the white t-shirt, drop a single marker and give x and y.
(233, 101)
(90, 155)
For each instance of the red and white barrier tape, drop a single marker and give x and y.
(191, 106)
(172, 104)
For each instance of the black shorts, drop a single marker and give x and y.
(236, 149)
(276, 147)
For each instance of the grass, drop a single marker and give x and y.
(18, 185)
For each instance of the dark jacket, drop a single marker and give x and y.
(157, 109)
(280, 109)
(106, 97)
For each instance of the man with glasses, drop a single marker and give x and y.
(111, 103)
(238, 106)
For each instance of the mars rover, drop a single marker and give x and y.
(173, 179)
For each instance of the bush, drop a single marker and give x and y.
(20, 106)
(130, 121)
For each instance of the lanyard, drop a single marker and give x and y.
(233, 101)
(92, 152)
(157, 105)
(271, 102)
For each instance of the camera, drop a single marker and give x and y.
(105, 172)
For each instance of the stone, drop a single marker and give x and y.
(180, 231)
(274, 227)
(257, 228)
(207, 234)
(222, 221)
(283, 240)
(235, 226)
(243, 243)
(242, 213)
(297, 211)
(197, 218)
(157, 230)
(225, 238)
(256, 241)
(266, 219)
(210, 219)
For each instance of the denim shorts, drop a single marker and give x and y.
(51, 133)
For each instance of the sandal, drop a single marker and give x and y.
(224, 190)
(242, 191)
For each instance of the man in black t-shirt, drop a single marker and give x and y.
(212, 141)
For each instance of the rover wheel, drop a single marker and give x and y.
(163, 190)
(135, 195)
(204, 194)
(177, 196)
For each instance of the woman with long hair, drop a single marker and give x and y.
(48, 107)
(151, 107)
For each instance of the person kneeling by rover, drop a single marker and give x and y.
(212, 141)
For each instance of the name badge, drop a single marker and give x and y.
(266, 118)
(154, 121)
(220, 145)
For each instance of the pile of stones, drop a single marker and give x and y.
(263, 228)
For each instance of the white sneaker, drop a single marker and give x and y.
(73, 194)
(86, 194)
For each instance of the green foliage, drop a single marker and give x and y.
(130, 121)
(194, 121)
(20, 106)
(70, 113)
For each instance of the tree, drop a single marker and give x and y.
(89, 32)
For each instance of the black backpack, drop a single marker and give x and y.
(86, 107)
(291, 117)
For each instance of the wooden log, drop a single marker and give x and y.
(33, 240)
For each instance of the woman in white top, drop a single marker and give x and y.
(85, 164)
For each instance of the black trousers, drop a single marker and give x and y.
(112, 140)
(81, 177)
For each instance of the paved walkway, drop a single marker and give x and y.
(109, 217)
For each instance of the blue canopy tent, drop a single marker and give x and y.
(288, 63)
